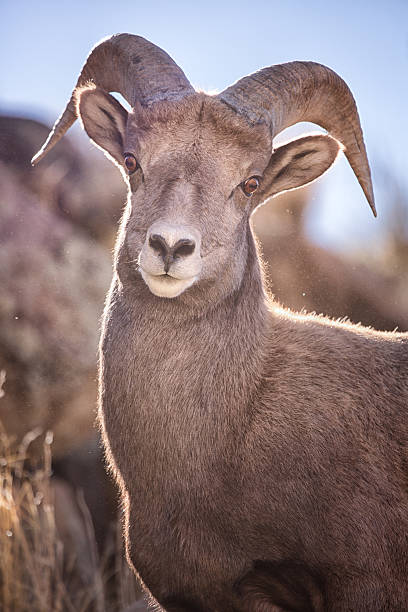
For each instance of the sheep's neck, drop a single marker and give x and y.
(182, 394)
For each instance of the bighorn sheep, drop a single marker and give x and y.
(261, 454)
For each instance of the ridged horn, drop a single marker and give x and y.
(285, 94)
(131, 66)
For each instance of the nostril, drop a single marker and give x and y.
(159, 244)
(183, 247)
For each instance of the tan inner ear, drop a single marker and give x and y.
(104, 119)
(299, 162)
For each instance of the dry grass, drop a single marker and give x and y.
(34, 573)
(31, 560)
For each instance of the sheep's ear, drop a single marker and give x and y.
(297, 163)
(104, 120)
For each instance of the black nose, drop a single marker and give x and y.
(182, 248)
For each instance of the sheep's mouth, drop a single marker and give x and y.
(166, 285)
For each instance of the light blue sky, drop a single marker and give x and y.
(43, 45)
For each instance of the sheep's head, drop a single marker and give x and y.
(197, 165)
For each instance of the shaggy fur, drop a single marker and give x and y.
(261, 454)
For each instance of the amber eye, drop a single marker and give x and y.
(250, 185)
(130, 163)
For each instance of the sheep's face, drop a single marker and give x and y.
(189, 212)
(196, 171)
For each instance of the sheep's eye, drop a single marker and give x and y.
(130, 163)
(250, 185)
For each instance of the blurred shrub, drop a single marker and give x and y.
(303, 276)
(53, 281)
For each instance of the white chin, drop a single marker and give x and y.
(166, 286)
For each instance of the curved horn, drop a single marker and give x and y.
(285, 94)
(131, 66)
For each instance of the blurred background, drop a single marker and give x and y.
(60, 545)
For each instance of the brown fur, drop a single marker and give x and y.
(261, 454)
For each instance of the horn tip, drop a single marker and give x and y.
(371, 202)
(369, 194)
(36, 158)
(41, 153)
